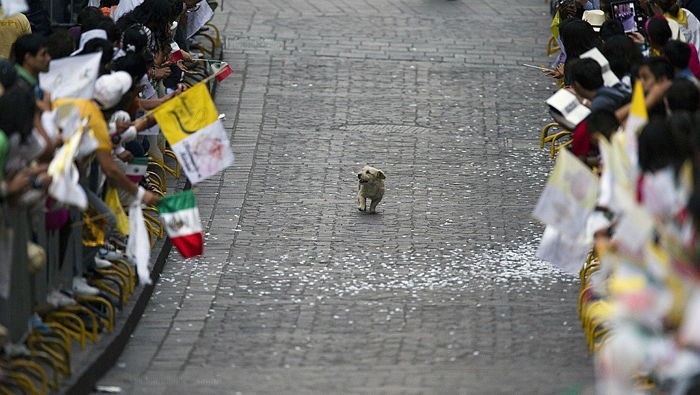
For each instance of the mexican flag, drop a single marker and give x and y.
(181, 219)
(136, 169)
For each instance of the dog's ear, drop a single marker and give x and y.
(381, 175)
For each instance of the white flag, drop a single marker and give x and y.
(204, 153)
(138, 247)
(564, 252)
(569, 196)
(64, 185)
(72, 77)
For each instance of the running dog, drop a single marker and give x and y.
(371, 187)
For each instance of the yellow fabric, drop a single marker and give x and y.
(187, 113)
(681, 18)
(112, 201)
(96, 123)
(93, 228)
(12, 28)
(638, 107)
(554, 27)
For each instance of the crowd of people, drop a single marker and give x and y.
(640, 297)
(65, 154)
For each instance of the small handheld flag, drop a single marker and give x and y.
(181, 219)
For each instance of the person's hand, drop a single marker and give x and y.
(122, 126)
(150, 198)
(181, 65)
(126, 156)
(636, 37)
(557, 72)
(161, 73)
(45, 103)
(19, 183)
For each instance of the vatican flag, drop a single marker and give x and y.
(190, 123)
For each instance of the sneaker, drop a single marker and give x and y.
(102, 263)
(109, 253)
(15, 350)
(82, 288)
(37, 324)
(59, 299)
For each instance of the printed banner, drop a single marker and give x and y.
(204, 153)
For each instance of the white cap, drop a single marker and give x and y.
(87, 36)
(110, 88)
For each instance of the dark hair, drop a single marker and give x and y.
(668, 6)
(658, 31)
(681, 128)
(656, 149)
(88, 18)
(570, 9)
(602, 121)
(683, 95)
(97, 45)
(659, 67)
(107, 24)
(18, 106)
(577, 36)
(157, 16)
(622, 54)
(587, 73)
(136, 36)
(678, 53)
(28, 44)
(611, 28)
(133, 63)
(61, 44)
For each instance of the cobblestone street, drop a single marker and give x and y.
(439, 292)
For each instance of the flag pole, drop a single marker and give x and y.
(204, 81)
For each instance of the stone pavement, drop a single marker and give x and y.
(440, 292)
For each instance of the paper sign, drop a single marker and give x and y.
(566, 109)
(197, 18)
(72, 77)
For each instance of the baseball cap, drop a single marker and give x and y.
(110, 88)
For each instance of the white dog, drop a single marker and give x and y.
(371, 187)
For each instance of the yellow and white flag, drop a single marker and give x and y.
(636, 120)
(190, 123)
(569, 196)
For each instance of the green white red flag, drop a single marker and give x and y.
(181, 219)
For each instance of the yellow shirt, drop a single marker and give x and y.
(12, 28)
(96, 122)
